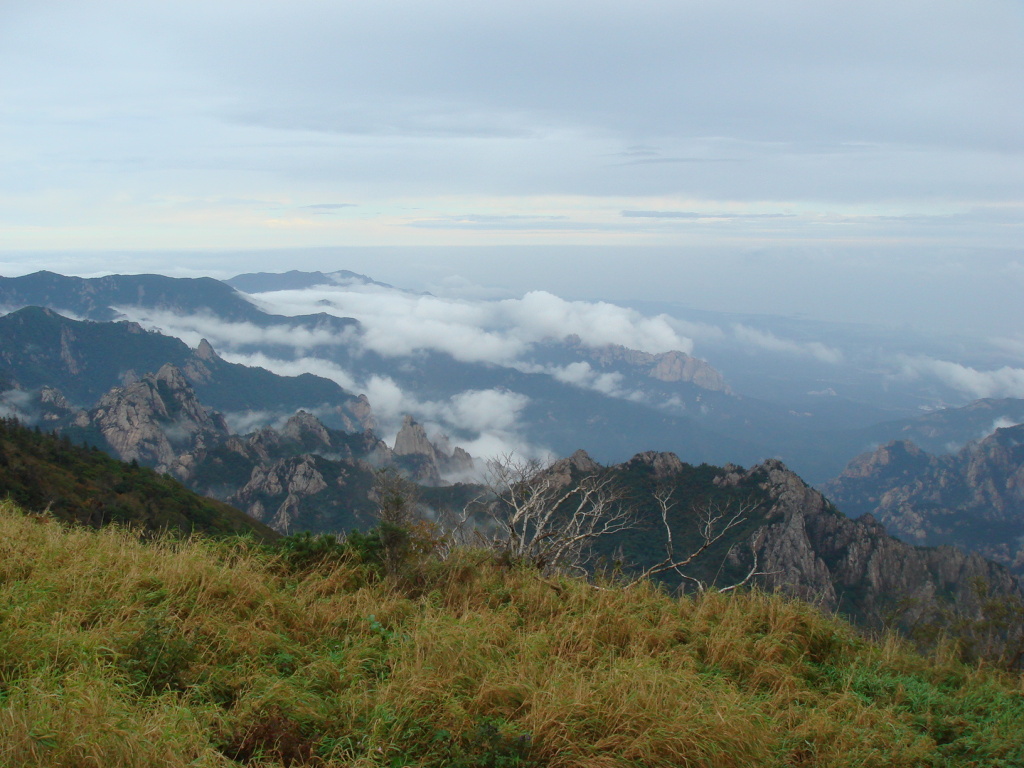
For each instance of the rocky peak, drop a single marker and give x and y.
(973, 499)
(172, 377)
(412, 440)
(155, 420)
(206, 352)
(427, 462)
(810, 550)
(305, 492)
(53, 406)
(305, 428)
(671, 366)
(663, 464)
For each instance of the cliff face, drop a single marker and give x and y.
(308, 493)
(973, 499)
(809, 549)
(301, 476)
(156, 420)
(428, 462)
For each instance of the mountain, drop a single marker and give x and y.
(307, 476)
(259, 282)
(973, 498)
(97, 298)
(554, 394)
(669, 401)
(804, 546)
(40, 348)
(41, 471)
(949, 429)
(302, 476)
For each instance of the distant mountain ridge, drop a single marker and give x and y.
(615, 400)
(39, 347)
(973, 498)
(94, 298)
(260, 282)
(699, 418)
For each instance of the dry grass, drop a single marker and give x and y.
(171, 653)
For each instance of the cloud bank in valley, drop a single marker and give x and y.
(1006, 381)
(398, 323)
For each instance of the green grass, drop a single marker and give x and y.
(117, 652)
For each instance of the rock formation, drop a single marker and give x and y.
(810, 550)
(428, 462)
(673, 366)
(157, 421)
(973, 499)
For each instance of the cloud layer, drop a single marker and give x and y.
(397, 323)
(150, 124)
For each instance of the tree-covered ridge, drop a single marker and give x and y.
(206, 653)
(43, 471)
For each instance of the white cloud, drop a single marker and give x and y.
(769, 342)
(581, 374)
(220, 333)
(297, 367)
(397, 323)
(1001, 382)
(245, 422)
(19, 404)
(487, 410)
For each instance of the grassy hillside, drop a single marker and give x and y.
(84, 485)
(116, 652)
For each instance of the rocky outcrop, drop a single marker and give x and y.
(157, 421)
(359, 409)
(810, 550)
(973, 499)
(307, 493)
(427, 462)
(671, 367)
(53, 406)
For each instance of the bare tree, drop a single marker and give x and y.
(714, 521)
(548, 517)
(541, 516)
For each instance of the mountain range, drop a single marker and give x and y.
(557, 392)
(973, 498)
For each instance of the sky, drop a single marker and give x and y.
(863, 161)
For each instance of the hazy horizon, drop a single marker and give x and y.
(857, 162)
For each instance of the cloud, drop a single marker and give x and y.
(19, 404)
(296, 367)
(1002, 423)
(581, 374)
(695, 215)
(220, 333)
(489, 410)
(769, 342)
(484, 422)
(1001, 382)
(246, 422)
(396, 323)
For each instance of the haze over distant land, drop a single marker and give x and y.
(829, 160)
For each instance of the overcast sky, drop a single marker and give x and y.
(829, 148)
